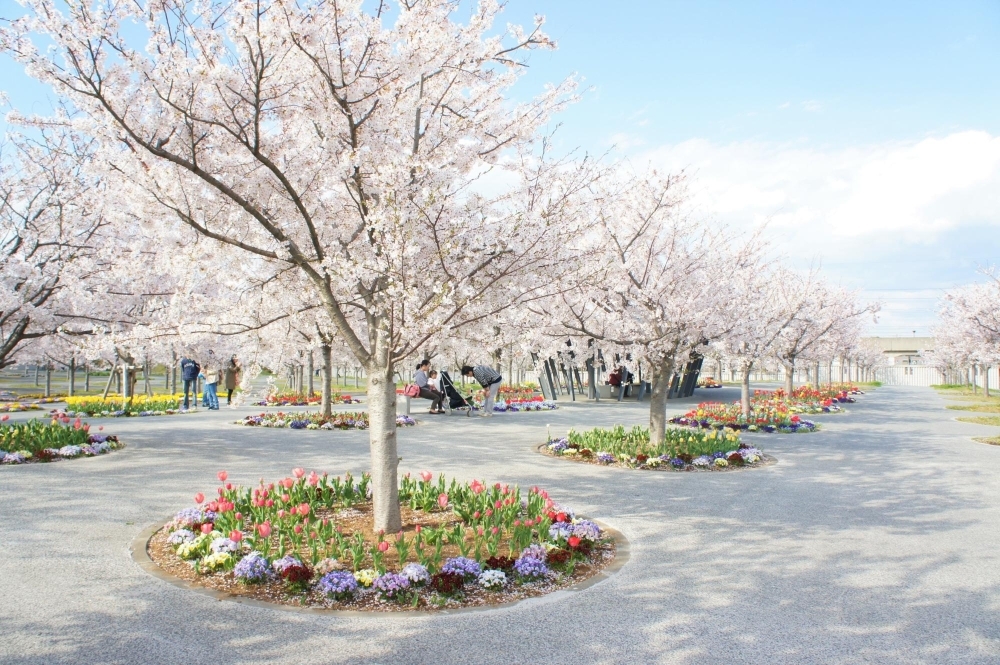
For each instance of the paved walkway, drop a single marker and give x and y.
(866, 543)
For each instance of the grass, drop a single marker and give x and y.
(986, 407)
(619, 441)
(982, 420)
(990, 440)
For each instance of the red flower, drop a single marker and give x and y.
(574, 541)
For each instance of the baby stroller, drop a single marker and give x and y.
(455, 399)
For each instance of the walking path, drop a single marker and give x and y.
(874, 540)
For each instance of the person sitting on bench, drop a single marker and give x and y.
(421, 379)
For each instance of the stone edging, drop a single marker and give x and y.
(139, 554)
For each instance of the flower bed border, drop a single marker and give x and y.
(765, 460)
(121, 447)
(139, 551)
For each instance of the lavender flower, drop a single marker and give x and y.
(702, 461)
(252, 568)
(605, 458)
(12, 458)
(587, 530)
(70, 451)
(284, 563)
(338, 584)
(558, 445)
(534, 551)
(531, 568)
(392, 585)
(462, 566)
(192, 516)
(181, 536)
(677, 462)
(560, 530)
(416, 573)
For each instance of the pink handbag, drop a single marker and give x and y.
(412, 390)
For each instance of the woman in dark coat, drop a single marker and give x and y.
(232, 379)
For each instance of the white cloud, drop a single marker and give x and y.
(916, 189)
(812, 106)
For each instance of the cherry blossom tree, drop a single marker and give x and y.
(49, 225)
(339, 141)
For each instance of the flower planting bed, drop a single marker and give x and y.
(314, 421)
(683, 450)
(307, 541)
(295, 399)
(116, 407)
(516, 405)
(15, 407)
(38, 441)
(718, 416)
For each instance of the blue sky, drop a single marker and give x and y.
(865, 133)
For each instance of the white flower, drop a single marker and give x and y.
(492, 579)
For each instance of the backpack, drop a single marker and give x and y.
(412, 390)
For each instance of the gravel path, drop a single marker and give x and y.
(863, 544)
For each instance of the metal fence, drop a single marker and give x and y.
(910, 375)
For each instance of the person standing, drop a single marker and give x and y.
(422, 381)
(490, 380)
(232, 378)
(189, 373)
(212, 376)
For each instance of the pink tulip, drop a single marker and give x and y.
(264, 529)
(206, 528)
(297, 528)
(383, 546)
(199, 497)
(222, 475)
(100, 428)
(418, 528)
(5, 417)
(313, 479)
(281, 513)
(77, 424)
(298, 472)
(287, 483)
(269, 503)
(476, 515)
(286, 498)
(236, 536)
(427, 476)
(239, 516)
(517, 522)
(494, 531)
(443, 500)
(480, 531)
(304, 509)
(497, 504)
(477, 487)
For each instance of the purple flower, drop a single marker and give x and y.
(461, 566)
(337, 584)
(534, 551)
(416, 573)
(531, 568)
(252, 568)
(180, 536)
(605, 458)
(587, 530)
(285, 562)
(392, 585)
(558, 445)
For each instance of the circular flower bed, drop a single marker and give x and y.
(38, 441)
(295, 399)
(515, 405)
(116, 407)
(682, 450)
(307, 540)
(715, 415)
(15, 407)
(353, 420)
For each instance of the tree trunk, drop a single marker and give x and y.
(789, 377)
(86, 377)
(382, 435)
(173, 373)
(48, 380)
(660, 379)
(72, 376)
(312, 371)
(36, 374)
(325, 355)
(745, 391)
(986, 382)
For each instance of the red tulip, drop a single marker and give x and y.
(229, 486)
(206, 528)
(427, 476)
(222, 475)
(476, 515)
(494, 531)
(573, 541)
(5, 417)
(297, 528)
(264, 529)
(269, 503)
(417, 528)
(239, 516)
(383, 546)
(236, 536)
(298, 472)
(199, 497)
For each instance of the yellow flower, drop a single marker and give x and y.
(365, 577)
